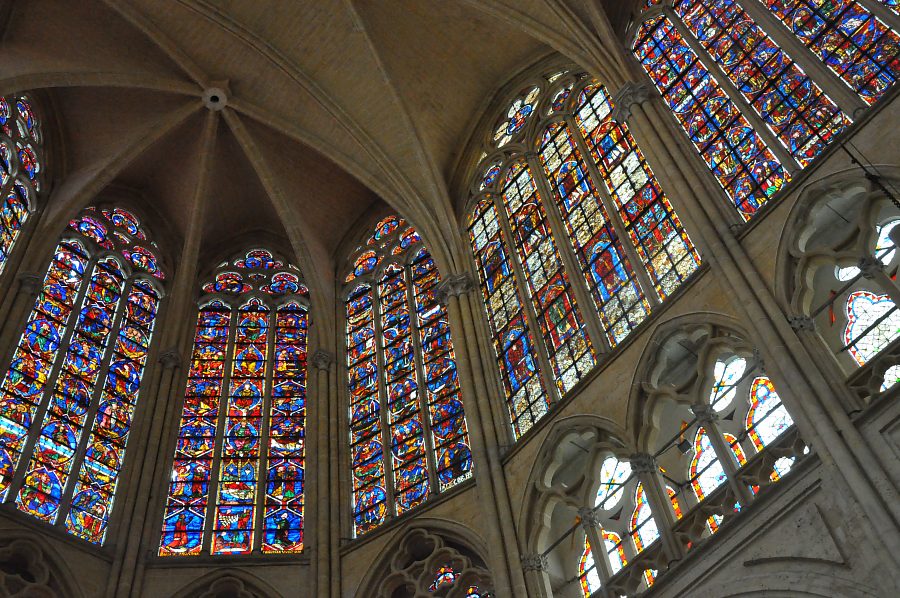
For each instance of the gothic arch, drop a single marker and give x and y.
(695, 327)
(406, 567)
(30, 566)
(835, 275)
(228, 583)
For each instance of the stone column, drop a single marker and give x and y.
(322, 361)
(872, 269)
(590, 523)
(535, 568)
(708, 418)
(646, 469)
(491, 486)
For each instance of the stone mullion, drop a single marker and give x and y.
(265, 417)
(384, 411)
(638, 267)
(706, 417)
(473, 392)
(715, 71)
(590, 523)
(646, 469)
(94, 404)
(337, 428)
(848, 101)
(422, 385)
(540, 343)
(321, 361)
(590, 315)
(37, 421)
(218, 446)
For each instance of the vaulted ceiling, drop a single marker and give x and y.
(331, 106)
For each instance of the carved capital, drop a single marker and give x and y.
(869, 267)
(535, 562)
(29, 283)
(589, 518)
(628, 95)
(705, 414)
(800, 323)
(454, 286)
(643, 463)
(170, 358)
(322, 359)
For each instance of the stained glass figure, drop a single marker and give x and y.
(526, 398)
(794, 107)
(238, 476)
(602, 259)
(21, 168)
(74, 380)
(873, 321)
(851, 41)
(745, 168)
(570, 350)
(653, 228)
(400, 356)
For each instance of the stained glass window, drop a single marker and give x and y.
(68, 397)
(238, 476)
(21, 167)
(745, 168)
(802, 117)
(570, 350)
(603, 209)
(446, 576)
(873, 321)
(652, 225)
(587, 570)
(513, 339)
(400, 356)
(848, 38)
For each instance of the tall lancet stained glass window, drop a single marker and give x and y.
(237, 479)
(721, 71)
(21, 167)
(408, 435)
(68, 396)
(573, 245)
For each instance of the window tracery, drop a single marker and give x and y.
(238, 476)
(21, 167)
(400, 356)
(844, 264)
(717, 69)
(586, 200)
(68, 396)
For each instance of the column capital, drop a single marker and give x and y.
(29, 282)
(869, 267)
(801, 323)
(535, 562)
(643, 463)
(589, 518)
(170, 358)
(321, 359)
(631, 93)
(454, 286)
(705, 414)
